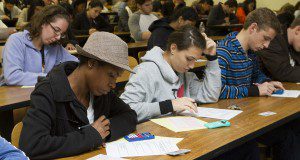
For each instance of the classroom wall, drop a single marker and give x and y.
(272, 4)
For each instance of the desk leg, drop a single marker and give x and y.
(6, 124)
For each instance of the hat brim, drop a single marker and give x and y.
(82, 52)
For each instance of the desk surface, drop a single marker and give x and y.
(206, 143)
(12, 97)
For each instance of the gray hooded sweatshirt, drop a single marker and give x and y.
(155, 81)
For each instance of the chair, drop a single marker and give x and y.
(15, 135)
(140, 55)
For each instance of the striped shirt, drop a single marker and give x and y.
(239, 69)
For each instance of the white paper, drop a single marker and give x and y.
(201, 60)
(105, 157)
(141, 148)
(288, 94)
(180, 124)
(224, 114)
(173, 139)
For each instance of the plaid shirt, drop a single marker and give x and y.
(239, 70)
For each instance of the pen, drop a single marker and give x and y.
(84, 126)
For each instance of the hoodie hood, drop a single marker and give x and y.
(161, 23)
(155, 55)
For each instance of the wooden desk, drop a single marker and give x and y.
(217, 38)
(230, 26)
(2, 42)
(209, 143)
(11, 98)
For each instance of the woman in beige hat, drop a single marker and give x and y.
(72, 110)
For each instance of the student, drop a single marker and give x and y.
(162, 83)
(140, 21)
(222, 14)
(244, 9)
(8, 151)
(297, 9)
(203, 7)
(8, 10)
(27, 13)
(91, 21)
(72, 110)
(79, 6)
(35, 51)
(241, 76)
(162, 28)
(130, 8)
(281, 60)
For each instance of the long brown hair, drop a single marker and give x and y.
(46, 15)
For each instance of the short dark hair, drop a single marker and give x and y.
(141, 2)
(49, 14)
(264, 18)
(210, 2)
(10, 1)
(84, 60)
(187, 13)
(246, 3)
(185, 38)
(231, 3)
(95, 3)
(296, 22)
(33, 5)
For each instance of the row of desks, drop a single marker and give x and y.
(206, 143)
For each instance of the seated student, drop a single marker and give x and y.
(79, 6)
(241, 76)
(281, 60)
(130, 8)
(203, 7)
(244, 9)
(140, 21)
(221, 14)
(72, 109)
(297, 9)
(9, 152)
(8, 10)
(162, 83)
(91, 21)
(27, 13)
(35, 51)
(162, 28)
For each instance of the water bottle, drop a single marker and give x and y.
(201, 28)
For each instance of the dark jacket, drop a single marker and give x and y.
(160, 31)
(50, 128)
(81, 24)
(217, 16)
(276, 60)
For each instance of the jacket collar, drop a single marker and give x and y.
(60, 85)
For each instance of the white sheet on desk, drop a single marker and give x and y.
(175, 140)
(201, 60)
(224, 114)
(288, 94)
(105, 157)
(141, 148)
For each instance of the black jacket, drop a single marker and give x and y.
(81, 24)
(276, 60)
(217, 16)
(50, 128)
(160, 31)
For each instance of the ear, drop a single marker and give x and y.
(173, 47)
(253, 28)
(297, 30)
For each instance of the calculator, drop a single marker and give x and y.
(139, 137)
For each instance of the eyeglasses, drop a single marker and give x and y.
(57, 31)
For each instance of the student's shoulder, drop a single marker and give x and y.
(146, 69)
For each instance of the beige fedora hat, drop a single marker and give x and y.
(107, 47)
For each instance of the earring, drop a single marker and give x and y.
(172, 53)
(90, 65)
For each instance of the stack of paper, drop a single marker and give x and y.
(105, 157)
(180, 124)
(288, 94)
(141, 148)
(224, 114)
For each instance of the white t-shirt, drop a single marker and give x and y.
(146, 21)
(90, 110)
